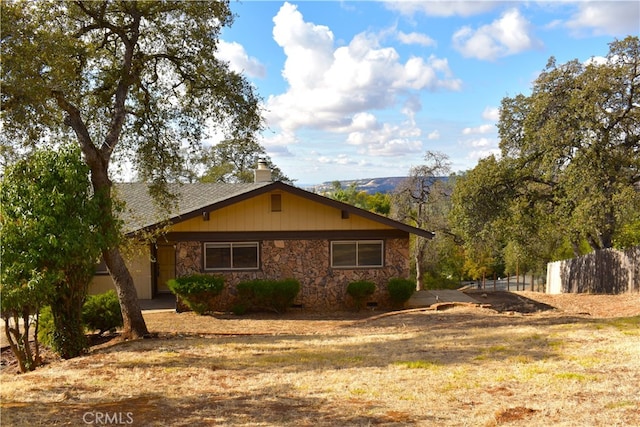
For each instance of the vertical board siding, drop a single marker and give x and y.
(608, 271)
(296, 213)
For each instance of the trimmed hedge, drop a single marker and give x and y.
(262, 294)
(197, 291)
(360, 291)
(400, 290)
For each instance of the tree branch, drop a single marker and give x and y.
(74, 119)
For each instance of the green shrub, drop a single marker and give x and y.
(431, 281)
(197, 291)
(61, 343)
(360, 291)
(239, 309)
(400, 290)
(46, 327)
(271, 295)
(102, 312)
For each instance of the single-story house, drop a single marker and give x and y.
(262, 230)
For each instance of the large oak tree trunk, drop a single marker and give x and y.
(134, 324)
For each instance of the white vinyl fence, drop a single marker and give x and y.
(608, 271)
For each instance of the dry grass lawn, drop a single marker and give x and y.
(464, 366)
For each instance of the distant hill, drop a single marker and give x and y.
(370, 185)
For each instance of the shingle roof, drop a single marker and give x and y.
(141, 211)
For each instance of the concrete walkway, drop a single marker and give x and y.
(428, 298)
(161, 302)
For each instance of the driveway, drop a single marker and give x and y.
(428, 298)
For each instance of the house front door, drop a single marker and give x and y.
(166, 267)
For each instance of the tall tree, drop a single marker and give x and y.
(49, 249)
(574, 143)
(135, 79)
(234, 160)
(379, 203)
(419, 200)
(569, 168)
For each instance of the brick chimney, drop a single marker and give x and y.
(263, 173)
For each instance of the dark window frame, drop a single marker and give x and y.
(230, 246)
(356, 255)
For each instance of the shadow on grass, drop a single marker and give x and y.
(436, 337)
(417, 341)
(276, 405)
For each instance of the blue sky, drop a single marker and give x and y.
(363, 89)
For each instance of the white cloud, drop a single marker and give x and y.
(480, 143)
(329, 86)
(416, 38)
(434, 135)
(387, 141)
(606, 18)
(479, 148)
(482, 129)
(508, 35)
(340, 159)
(475, 155)
(491, 113)
(442, 8)
(596, 60)
(309, 47)
(278, 144)
(239, 61)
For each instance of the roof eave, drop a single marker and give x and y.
(278, 185)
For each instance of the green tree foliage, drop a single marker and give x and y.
(135, 80)
(234, 160)
(575, 144)
(379, 203)
(49, 246)
(100, 313)
(570, 164)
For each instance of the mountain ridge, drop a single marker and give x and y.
(369, 185)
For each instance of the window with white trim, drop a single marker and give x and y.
(231, 256)
(357, 253)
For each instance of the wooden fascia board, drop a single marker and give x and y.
(232, 236)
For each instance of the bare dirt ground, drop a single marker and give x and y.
(527, 359)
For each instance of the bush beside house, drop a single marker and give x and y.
(400, 290)
(360, 291)
(197, 291)
(269, 295)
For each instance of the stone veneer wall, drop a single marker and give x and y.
(322, 287)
